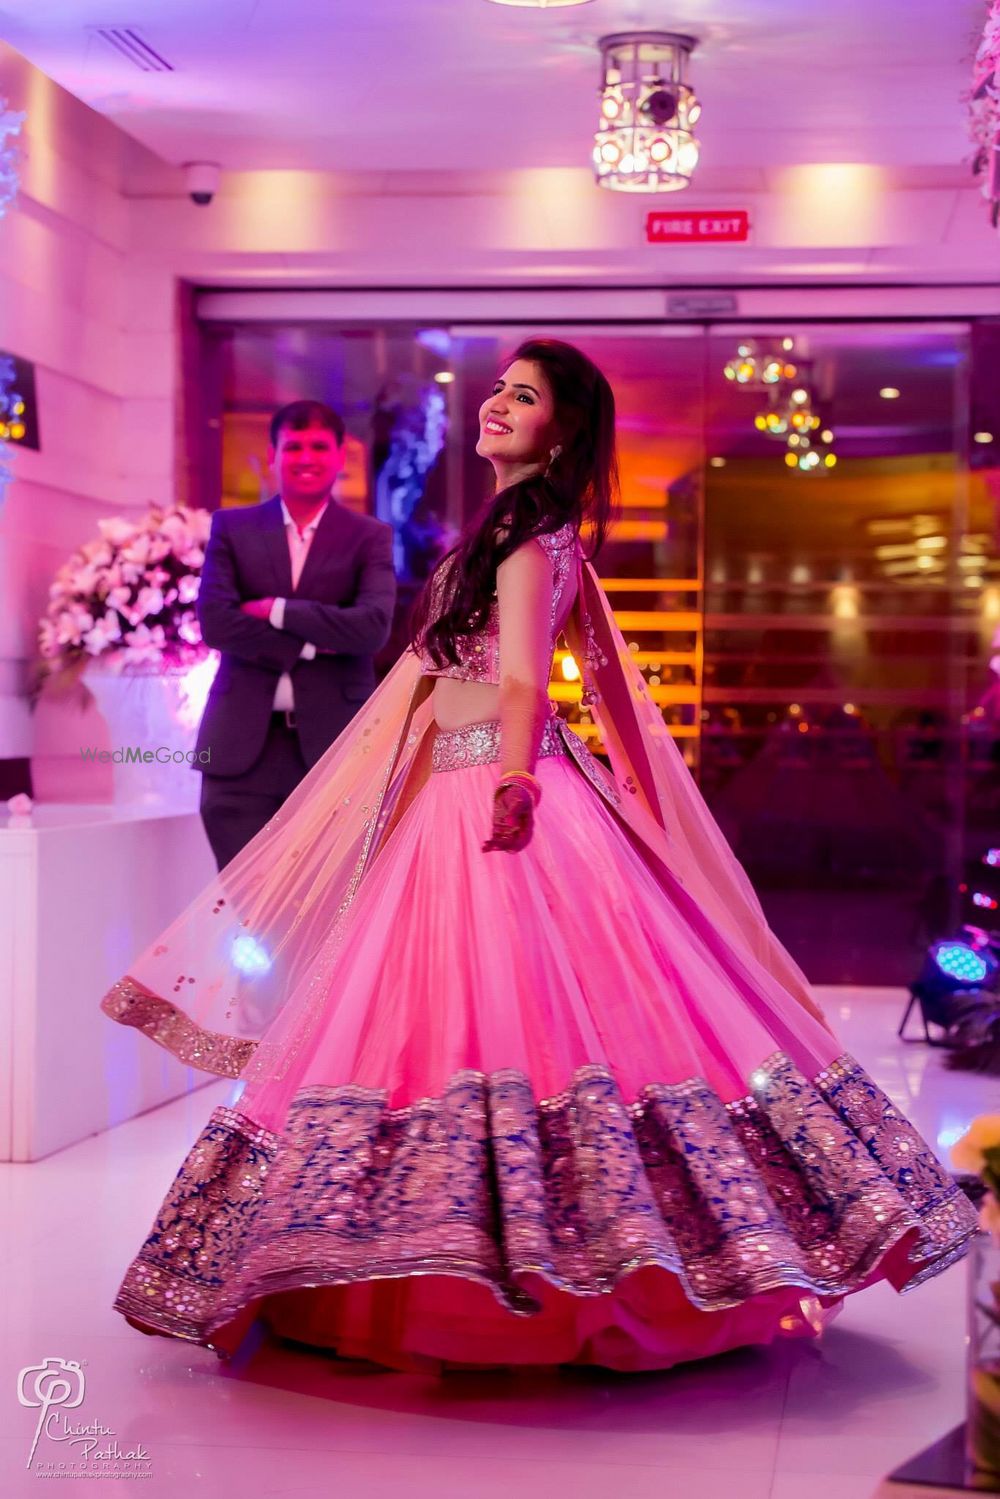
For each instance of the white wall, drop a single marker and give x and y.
(102, 351)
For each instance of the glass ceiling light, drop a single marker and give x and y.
(756, 369)
(645, 142)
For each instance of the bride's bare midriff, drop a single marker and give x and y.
(458, 703)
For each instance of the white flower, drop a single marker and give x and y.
(188, 628)
(192, 557)
(106, 632)
(144, 644)
(174, 530)
(48, 645)
(200, 522)
(149, 601)
(137, 550)
(72, 624)
(187, 588)
(119, 598)
(117, 530)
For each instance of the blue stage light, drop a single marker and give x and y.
(960, 962)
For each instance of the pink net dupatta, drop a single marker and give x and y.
(660, 802)
(266, 928)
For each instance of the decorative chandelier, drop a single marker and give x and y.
(645, 141)
(756, 369)
(811, 454)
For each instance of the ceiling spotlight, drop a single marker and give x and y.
(889, 393)
(445, 377)
(644, 141)
(983, 437)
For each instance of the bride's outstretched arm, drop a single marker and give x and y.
(524, 597)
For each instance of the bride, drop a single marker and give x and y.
(525, 1076)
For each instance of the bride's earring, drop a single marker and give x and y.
(553, 455)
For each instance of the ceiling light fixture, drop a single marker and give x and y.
(889, 393)
(983, 437)
(644, 142)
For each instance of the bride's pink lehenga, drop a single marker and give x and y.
(571, 1105)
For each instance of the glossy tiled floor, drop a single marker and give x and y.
(826, 1420)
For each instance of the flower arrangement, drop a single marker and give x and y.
(128, 597)
(978, 1152)
(984, 108)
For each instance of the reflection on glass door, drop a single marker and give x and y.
(805, 570)
(848, 564)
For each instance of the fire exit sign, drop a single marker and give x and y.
(675, 226)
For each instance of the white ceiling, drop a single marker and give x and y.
(416, 85)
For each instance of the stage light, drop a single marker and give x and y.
(986, 902)
(960, 963)
(249, 956)
(445, 377)
(983, 437)
(889, 393)
(992, 858)
(717, 463)
(644, 141)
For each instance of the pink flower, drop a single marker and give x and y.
(20, 805)
(187, 588)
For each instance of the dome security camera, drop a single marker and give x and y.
(202, 178)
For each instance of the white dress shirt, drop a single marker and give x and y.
(299, 543)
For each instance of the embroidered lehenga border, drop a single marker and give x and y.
(801, 1183)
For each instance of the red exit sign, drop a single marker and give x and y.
(674, 226)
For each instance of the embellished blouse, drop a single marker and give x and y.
(480, 652)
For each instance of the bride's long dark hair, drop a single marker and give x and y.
(580, 486)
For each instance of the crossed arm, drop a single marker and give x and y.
(276, 632)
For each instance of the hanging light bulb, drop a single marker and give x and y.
(648, 112)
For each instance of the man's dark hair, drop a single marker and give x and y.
(298, 415)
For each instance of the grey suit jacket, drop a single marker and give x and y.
(343, 604)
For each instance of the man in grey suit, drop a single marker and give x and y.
(297, 593)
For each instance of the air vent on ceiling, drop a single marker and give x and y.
(131, 45)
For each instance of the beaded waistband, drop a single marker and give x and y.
(479, 744)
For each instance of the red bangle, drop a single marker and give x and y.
(522, 778)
